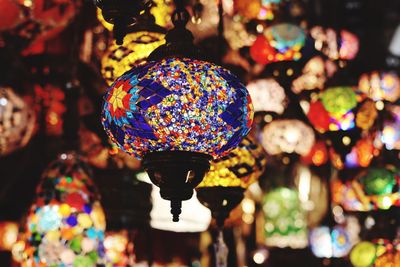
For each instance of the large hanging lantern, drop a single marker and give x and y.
(136, 48)
(65, 225)
(191, 108)
(380, 86)
(285, 224)
(17, 121)
(287, 136)
(267, 95)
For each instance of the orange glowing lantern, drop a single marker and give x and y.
(8, 235)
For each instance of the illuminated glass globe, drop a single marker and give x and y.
(372, 189)
(136, 48)
(337, 46)
(380, 86)
(285, 222)
(240, 168)
(287, 136)
(378, 253)
(177, 105)
(17, 121)
(267, 95)
(327, 244)
(65, 225)
(222, 188)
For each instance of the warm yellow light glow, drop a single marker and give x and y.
(135, 50)
(242, 167)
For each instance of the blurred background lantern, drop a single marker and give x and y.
(326, 243)
(17, 121)
(380, 86)
(314, 74)
(280, 42)
(223, 186)
(267, 95)
(136, 48)
(199, 125)
(65, 224)
(342, 45)
(8, 235)
(285, 222)
(119, 250)
(42, 19)
(287, 136)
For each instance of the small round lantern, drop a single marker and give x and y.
(17, 121)
(65, 225)
(287, 136)
(223, 186)
(176, 114)
(136, 48)
(267, 95)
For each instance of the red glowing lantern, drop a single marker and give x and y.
(319, 116)
(10, 15)
(318, 154)
(261, 51)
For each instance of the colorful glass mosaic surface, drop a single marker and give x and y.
(119, 250)
(65, 225)
(240, 168)
(177, 104)
(136, 48)
(17, 121)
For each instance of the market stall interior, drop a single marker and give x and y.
(224, 133)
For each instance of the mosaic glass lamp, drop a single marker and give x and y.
(17, 121)
(223, 186)
(177, 112)
(136, 48)
(65, 225)
(119, 250)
